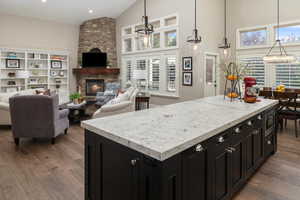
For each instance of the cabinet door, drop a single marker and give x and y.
(238, 163)
(112, 171)
(221, 166)
(254, 153)
(195, 173)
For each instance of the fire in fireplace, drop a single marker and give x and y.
(93, 86)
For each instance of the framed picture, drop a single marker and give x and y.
(12, 63)
(53, 73)
(187, 63)
(187, 78)
(56, 64)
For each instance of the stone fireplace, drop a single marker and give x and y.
(92, 86)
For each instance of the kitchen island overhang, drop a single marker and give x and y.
(163, 142)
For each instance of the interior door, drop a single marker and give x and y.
(210, 84)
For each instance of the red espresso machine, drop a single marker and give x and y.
(251, 92)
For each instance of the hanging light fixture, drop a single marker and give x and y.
(146, 29)
(283, 57)
(195, 38)
(225, 46)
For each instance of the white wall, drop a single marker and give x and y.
(210, 24)
(24, 32)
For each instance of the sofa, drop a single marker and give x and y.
(37, 116)
(111, 91)
(5, 118)
(123, 103)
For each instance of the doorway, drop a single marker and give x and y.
(210, 74)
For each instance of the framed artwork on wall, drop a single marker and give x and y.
(12, 63)
(56, 64)
(187, 78)
(187, 63)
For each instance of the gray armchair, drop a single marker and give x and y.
(37, 116)
(111, 91)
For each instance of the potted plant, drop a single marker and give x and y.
(75, 97)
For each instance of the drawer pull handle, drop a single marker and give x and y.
(199, 148)
(255, 132)
(237, 130)
(269, 142)
(221, 139)
(134, 161)
(249, 123)
(230, 149)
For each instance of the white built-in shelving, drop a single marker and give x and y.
(33, 69)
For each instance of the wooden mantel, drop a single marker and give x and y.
(96, 71)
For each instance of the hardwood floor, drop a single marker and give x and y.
(41, 171)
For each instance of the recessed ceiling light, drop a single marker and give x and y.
(44, 1)
(91, 11)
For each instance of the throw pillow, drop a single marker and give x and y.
(123, 97)
(109, 93)
(45, 92)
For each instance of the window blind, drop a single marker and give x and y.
(288, 75)
(154, 74)
(128, 70)
(171, 74)
(255, 68)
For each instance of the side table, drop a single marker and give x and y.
(140, 101)
(77, 111)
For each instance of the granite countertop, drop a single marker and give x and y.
(168, 130)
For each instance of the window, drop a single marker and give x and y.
(156, 40)
(171, 21)
(171, 38)
(253, 38)
(289, 34)
(154, 74)
(164, 36)
(128, 45)
(288, 75)
(255, 68)
(171, 74)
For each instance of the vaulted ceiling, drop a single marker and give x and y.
(66, 11)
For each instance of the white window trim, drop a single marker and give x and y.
(160, 30)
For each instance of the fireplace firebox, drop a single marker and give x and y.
(93, 86)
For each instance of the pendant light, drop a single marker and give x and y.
(195, 38)
(146, 29)
(283, 57)
(225, 46)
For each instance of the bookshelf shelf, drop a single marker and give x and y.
(33, 66)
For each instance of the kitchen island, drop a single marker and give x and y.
(204, 149)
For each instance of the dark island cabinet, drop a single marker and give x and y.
(215, 169)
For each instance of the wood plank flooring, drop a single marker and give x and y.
(41, 171)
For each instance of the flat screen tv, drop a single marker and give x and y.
(94, 60)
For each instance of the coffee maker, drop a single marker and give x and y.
(251, 92)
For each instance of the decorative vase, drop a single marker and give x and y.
(75, 101)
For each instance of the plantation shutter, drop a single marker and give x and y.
(154, 74)
(255, 69)
(171, 73)
(128, 70)
(288, 75)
